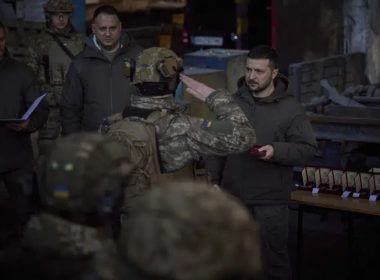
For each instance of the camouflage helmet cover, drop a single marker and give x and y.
(189, 233)
(82, 172)
(157, 65)
(56, 6)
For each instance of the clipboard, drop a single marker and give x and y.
(28, 112)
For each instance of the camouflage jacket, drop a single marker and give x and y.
(49, 61)
(182, 138)
(50, 64)
(72, 249)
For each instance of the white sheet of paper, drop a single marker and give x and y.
(345, 194)
(356, 195)
(373, 198)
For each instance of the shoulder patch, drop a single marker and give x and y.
(206, 123)
(61, 192)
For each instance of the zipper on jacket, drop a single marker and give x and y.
(111, 88)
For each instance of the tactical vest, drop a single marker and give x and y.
(52, 69)
(58, 65)
(139, 136)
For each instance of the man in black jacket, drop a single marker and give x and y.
(262, 178)
(96, 85)
(18, 91)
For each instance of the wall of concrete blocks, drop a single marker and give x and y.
(341, 71)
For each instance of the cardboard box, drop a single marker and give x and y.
(308, 176)
(362, 182)
(322, 177)
(348, 180)
(374, 183)
(335, 178)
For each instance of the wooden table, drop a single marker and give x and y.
(334, 202)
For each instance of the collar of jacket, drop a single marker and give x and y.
(65, 33)
(91, 51)
(281, 90)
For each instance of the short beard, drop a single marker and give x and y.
(261, 88)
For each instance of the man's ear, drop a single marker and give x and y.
(274, 73)
(93, 27)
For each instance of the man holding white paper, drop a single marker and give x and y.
(18, 91)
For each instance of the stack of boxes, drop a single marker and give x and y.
(341, 182)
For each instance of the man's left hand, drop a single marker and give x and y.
(269, 152)
(22, 126)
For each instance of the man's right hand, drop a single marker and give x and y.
(19, 127)
(195, 88)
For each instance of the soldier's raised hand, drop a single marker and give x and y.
(195, 88)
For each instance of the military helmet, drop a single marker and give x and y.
(189, 232)
(157, 66)
(84, 173)
(58, 6)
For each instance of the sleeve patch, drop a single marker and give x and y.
(206, 123)
(61, 192)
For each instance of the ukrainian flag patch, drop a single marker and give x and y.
(61, 192)
(206, 123)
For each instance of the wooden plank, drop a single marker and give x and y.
(332, 201)
(319, 118)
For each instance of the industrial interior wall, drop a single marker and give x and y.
(120, 5)
(131, 6)
(373, 55)
(356, 26)
(308, 30)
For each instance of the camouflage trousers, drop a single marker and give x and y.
(50, 131)
(137, 185)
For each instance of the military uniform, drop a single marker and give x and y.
(177, 138)
(51, 62)
(191, 232)
(75, 250)
(182, 138)
(80, 185)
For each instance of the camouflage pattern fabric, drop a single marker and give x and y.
(51, 63)
(64, 246)
(84, 173)
(81, 183)
(58, 6)
(192, 232)
(139, 138)
(156, 65)
(182, 138)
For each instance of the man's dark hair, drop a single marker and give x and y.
(264, 51)
(105, 9)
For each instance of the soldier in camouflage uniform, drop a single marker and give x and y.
(189, 231)
(178, 138)
(81, 184)
(50, 55)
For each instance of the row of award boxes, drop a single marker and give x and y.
(358, 184)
